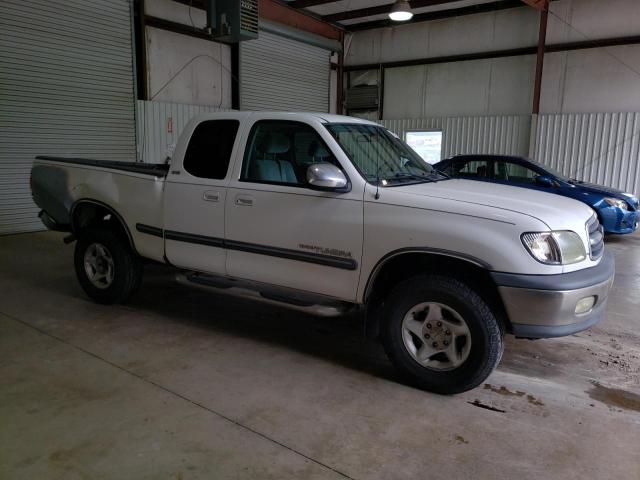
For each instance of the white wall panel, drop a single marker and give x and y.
(184, 69)
(504, 29)
(573, 20)
(506, 135)
(593, 80)
(582, 81)
(176, 12)
(598, 147)
(500, 86)
(159, 125)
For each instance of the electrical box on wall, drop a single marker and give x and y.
(233, 21)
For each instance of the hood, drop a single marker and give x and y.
(605, 191)
(494, 201)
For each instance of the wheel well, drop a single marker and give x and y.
(87, 214)
(407, 265)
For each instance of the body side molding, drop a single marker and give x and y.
(287, 253)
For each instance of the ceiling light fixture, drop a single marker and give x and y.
(401, 11)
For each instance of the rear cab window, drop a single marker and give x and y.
(209, 151)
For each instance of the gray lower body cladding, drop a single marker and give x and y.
(542, 306)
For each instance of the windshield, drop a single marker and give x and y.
(552, 171)
(379, 155)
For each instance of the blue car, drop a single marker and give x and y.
(617, 211)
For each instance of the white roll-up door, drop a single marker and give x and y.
(66, 88)
(278, 73)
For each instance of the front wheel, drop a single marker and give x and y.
(440, 334)
(107, 268)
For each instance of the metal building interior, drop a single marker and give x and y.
(187, 383)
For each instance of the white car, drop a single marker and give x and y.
(325, 213)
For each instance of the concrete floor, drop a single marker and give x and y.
(179, 384)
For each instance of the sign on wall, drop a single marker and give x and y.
(427, 144)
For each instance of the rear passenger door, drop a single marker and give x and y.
(194, 197)
(281, 232)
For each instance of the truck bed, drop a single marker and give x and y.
(155, 169)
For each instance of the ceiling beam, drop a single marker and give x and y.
(513, 52)
(379, 10)
(439, 15)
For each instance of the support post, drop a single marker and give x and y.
(235, 76)
(542, 39)
(340, 78)
(380, 92)
(141, 50)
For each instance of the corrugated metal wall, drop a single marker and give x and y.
(278, 73)
(598, 147)
(508, 135)
(160, 125)
(66, 88)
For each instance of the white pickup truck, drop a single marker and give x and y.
(325, 214)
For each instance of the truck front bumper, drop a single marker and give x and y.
(544, 306)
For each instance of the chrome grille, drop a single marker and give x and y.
(596, 238)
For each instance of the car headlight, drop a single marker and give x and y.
(555, 248)
(616, 202)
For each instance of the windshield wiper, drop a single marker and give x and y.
(410, 176)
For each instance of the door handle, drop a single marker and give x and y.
(244, 200)
(211, 196)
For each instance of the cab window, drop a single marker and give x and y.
(281, 151)
(209, 151)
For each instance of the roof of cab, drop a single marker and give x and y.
(304, 116)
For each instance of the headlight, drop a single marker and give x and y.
(616, 202)
(555, 248)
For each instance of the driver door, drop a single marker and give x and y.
(281, 232)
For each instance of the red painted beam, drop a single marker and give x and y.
(538, 4)
(309, 3)
(277, 12)
(542, 40)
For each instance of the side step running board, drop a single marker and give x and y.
(279, 296)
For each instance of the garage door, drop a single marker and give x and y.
(66, 88)
(278, 73)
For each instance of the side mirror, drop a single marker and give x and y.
(544, 181)
(326, 176)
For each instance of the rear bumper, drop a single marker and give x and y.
(544, 306)
(51, 223)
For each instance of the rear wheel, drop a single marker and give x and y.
(440, 334)
(107, 268)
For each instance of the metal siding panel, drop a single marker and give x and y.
(508, 135)
(152, 136)
(66, 83)
(278, 73)
(596, 147)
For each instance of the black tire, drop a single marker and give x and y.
(127, 266)
(486, 333)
